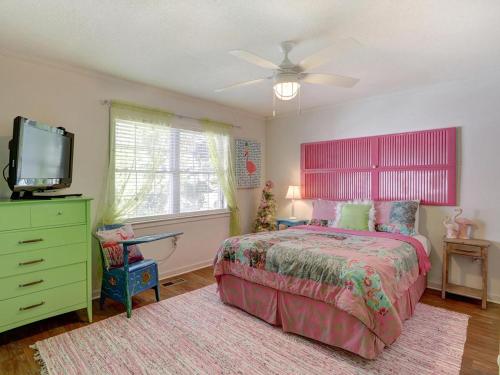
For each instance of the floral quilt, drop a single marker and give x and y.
(360, 272)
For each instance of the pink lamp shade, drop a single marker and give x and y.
(293, 192)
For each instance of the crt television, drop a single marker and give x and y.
(41, 158)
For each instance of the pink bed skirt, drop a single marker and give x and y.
(312, 318)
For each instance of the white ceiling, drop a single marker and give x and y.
(183, 45)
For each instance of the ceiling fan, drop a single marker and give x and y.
(287, 76)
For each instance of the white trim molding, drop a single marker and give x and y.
(171, 273)
(158, 221)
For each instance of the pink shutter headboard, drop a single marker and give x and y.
(416, 165)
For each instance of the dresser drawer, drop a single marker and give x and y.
(27, 283)
(40, 303)
(15, 242)
(15, 218)
(465, 249)
(44, 215)
(36, 260)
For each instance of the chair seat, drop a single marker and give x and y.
(138, 265)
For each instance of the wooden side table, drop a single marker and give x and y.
(290, 222)
(477, 249)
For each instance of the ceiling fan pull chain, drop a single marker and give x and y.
(300, 101)
(274, 105)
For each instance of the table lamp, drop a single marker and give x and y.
(293, 193)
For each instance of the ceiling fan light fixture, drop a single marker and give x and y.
(286, 87)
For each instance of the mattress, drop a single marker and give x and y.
(425, 243)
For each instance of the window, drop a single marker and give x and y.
(167, 170)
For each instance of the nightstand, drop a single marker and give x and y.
(476, 249)
(290, 222)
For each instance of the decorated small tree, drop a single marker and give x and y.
(265, 220)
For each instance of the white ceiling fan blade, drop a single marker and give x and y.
(323, 56)
(240, 84)
(329, 79)
(253, 59)
(315, 60)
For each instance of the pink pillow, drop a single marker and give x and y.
(382, 211)
(324, 210)
(113, 251)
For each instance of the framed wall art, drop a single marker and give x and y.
(248, 163)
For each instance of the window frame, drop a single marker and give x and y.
(176, 173)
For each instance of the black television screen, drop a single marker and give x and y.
(40, 156)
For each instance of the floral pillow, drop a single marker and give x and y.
(113, 251)
(397, 217)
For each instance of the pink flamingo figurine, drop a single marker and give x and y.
(451, 225)
(464, 225)
(251, 168)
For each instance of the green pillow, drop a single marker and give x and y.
(354, 216)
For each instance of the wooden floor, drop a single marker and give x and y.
(480, 355)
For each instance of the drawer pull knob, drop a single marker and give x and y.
(31, 262)
(32, 306)
(30, 284)
(31, 241)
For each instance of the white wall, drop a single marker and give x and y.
(70, 97)
(471, 105)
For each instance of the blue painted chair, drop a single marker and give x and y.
(121, 283)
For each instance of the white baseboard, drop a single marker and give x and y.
(185, 269)
(171, 273)
(495, 298)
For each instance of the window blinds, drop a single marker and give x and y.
(168, 169)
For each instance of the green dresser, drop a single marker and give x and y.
(45, 259)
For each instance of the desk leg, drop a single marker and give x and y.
(485, 278)
(445, 271)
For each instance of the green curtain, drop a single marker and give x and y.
(115, 204)
(221, 152)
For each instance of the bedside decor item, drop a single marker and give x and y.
(451, 227)
(465, 226)
(293, 193)
(266, 211)
(458, 227)
(45, 259)
(248, 163)
(476, 249)
(125, 276)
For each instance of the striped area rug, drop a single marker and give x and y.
(195, 333)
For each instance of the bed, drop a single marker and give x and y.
(350, 289)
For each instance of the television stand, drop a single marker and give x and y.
(28, 195)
